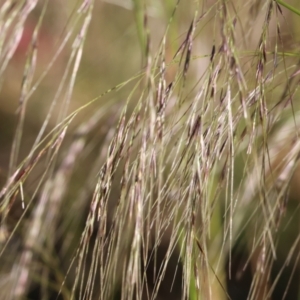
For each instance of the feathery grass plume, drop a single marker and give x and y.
(149, 150)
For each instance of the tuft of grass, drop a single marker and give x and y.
(152, 157)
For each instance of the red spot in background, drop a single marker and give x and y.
(25, 40)
(44, 42)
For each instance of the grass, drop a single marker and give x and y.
(154, 150)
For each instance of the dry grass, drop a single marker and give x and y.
(180, 182)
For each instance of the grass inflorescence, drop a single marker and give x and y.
(159, 161)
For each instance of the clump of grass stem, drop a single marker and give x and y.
(151, 188)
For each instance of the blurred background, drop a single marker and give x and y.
(59, 56)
